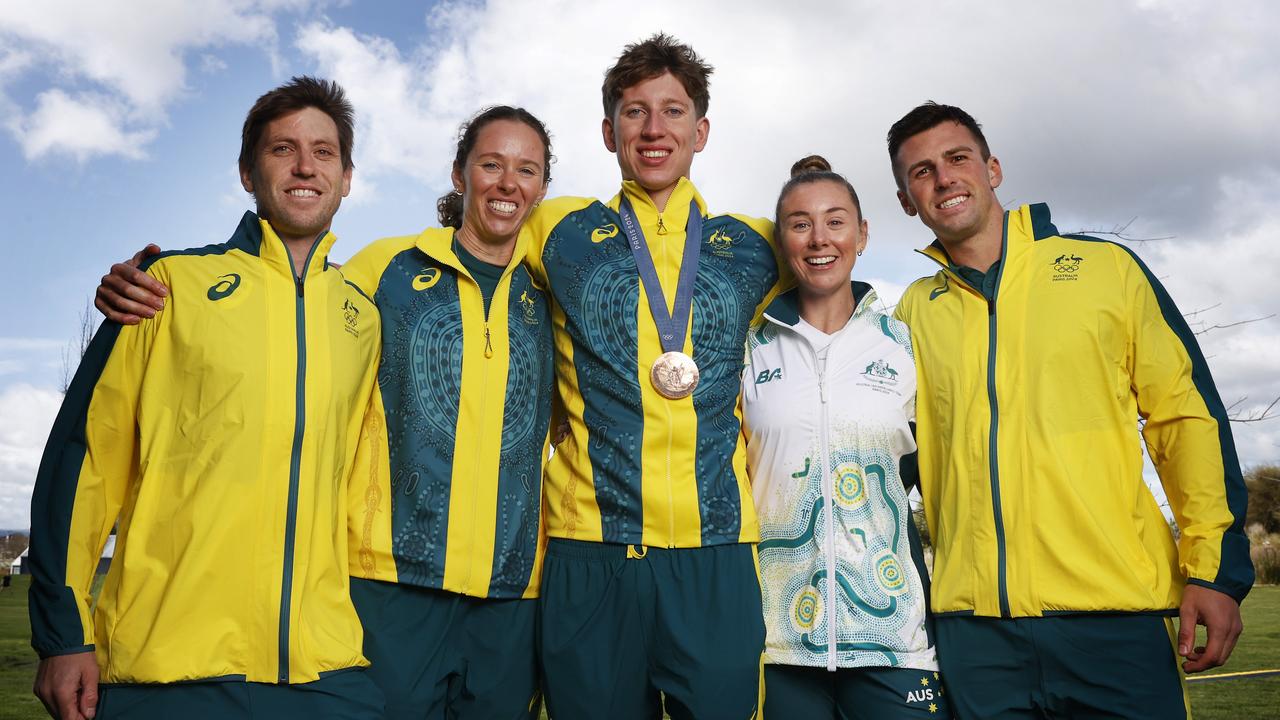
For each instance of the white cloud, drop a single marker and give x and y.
(82, 127)
(26, 415)
(131, 54)
(1162, 112)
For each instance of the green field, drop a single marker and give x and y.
(1227, 699)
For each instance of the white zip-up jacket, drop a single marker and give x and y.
(828, 435)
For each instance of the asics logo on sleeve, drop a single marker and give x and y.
(426, 279)
(601, 234)
(225, 285)
(946, 285)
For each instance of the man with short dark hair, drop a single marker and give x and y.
(219, 435)
(1055, 575)
(650, 584)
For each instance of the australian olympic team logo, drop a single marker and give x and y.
(880, 369)
(889, 574)
(806, 609)
(1065, 267)
(351, 316)
(225, 285)
(851, 485)
(529, 304)
(722, 243)
(604, 232)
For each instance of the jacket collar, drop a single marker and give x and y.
(438, 243)
(785, 308)
(676, 213)
(1022, 227)
(256, 236)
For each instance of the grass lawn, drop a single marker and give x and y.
(1259, 649)
(17, 659)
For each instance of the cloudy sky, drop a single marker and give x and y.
(119, 125)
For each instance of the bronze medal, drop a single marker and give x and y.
(674, 375)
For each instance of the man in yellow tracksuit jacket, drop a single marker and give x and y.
(1056, 577)
(218, 437)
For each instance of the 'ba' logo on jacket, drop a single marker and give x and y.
(768, 375)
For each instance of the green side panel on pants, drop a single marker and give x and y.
(339, 695)
(867, 693)
(440, 654)
(1064, 666)
(623, 628)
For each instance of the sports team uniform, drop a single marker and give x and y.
(650, 581)
(221, 435)
(445, 534)
(829, 446)
(1031, 378)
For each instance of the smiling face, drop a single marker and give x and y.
(945, 180)
(297, 177)
(822, 233)
(654, 132)
(503, 178)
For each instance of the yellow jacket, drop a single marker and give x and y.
(1028, 403)
(221, 435)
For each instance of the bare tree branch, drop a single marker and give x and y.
(75, 348)
(1121, 232)
(1211, 328)
(1257, 415)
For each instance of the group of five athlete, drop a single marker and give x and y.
(697, 519)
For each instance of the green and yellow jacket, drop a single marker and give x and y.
(1032, 378)
(220, 436)
(448, 488)
(638, 468)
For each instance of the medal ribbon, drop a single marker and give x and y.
(671, 325)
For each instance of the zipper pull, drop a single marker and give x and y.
(488, 343)
(662, 229)
(822, 387)
(991, 306)
(298, 282)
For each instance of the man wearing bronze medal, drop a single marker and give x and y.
(650, 593)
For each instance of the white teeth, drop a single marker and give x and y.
(824, 260)
(655, 153)
(953, 202)
(303, 192)
(502, 206)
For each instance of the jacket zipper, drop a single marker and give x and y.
(993, 445)
(484, 398)
(295, 460)
(829, 544)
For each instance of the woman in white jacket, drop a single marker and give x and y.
(828, 400)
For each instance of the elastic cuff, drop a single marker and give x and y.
(64, 651)
(1237, 596)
